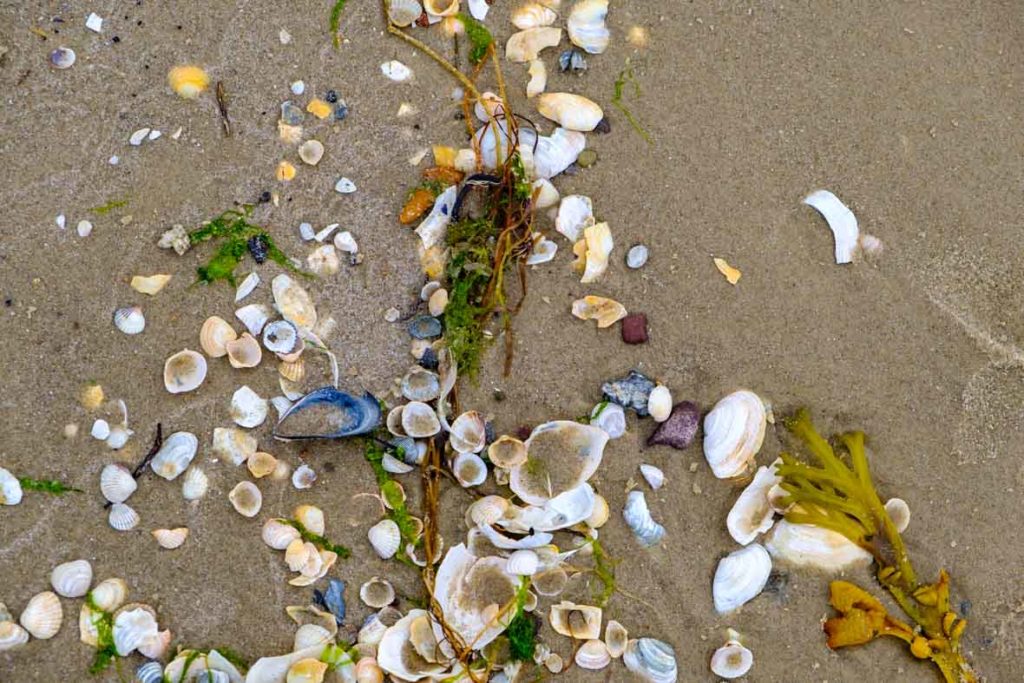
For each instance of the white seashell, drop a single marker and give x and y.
(573, 112)
(752, 513)
(109, 594)
(42, 615)
(637, 256)
(194, 484)
(151, 672)
(118, 437)
(600, 514)
(581, 622)
(522, 563)
(593, 655)
(527, 45)
(367, 670)
(419, 420)
(117, 483)
(246, 499)
(122, 517)
(544, 250)
(294, 302)
(138, 137)
(11, 636)
(323, 261)
(469, 469)
(840, 220)
(434, 227)
(404, 12)
(281, 337)
(10, 488)
(311, 517)
(303, 477)
(394, 421)
(72, 579)
(345, 185)
(311, 152)
(214, 335)
(652, 660)
(421, 385)
(575, 213)
(533, 15)
(246, 286)
(561, 455)
(487, 510)
(616, 637)
(489, 106)
(385, 538)
(610, 417)
(556, 152)
(899, 513)
(538, 78)
(732, 660)
(344, 241)
(395, 466)
(234, 445)
(254, 317)
(544, 194)
(377, 593)
(396, 71)
(585, 25)
(149, 284)
(170, 538)
(184, 371)
(133, 628)
(372, 630)
(654, 477)
(438, 302)
(398, 655)
(564, 510)
(806, 545)
(659, 403)
(278, 535)
(311, 635)
(733, 432)
(740, 577)
(281, 403)
(130, 320)
(468, 432)
(638, 519)
(595, 248)
(507, 451)
(248, 409)
(175, 455)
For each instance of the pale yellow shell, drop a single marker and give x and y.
(246, 499)
(261, 464)
(244, 352)
(170, 538)
(214, 336)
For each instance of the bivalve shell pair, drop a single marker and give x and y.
(733, 432)
(740, 577)
(72, 579)
(42, 615)
(175, 455)
(184, 371)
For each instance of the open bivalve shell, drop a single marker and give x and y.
(116, 483)
(184, 371)
(248, 409)
(581, 622)
(175, 455)
(109, 594)
(733, 432)
(807, 545)
(234, 445)
(561, 455)
(740, 577)
(652, 660)
(593, 655)
(419, 420)
(572, 112)
(72, 579)
(752, 513)
(468, 432)
(398, 655)
(586, 25)
(471, 592)
(507, 452)
(246, 499)
(404, 12)
(42, 615)
(328, 413)
(616, 637)
(244, 352)
(294, 302)
(732, 660)
(214, 336)
(311, 635)
(533, 15)
(377, 593)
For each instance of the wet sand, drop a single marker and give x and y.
(910, 112)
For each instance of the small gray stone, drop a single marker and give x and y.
(636, 257)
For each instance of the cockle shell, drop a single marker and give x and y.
(194, 484)
(419, 420)
(377, 593)
(109, 594)
(600, 514)
(606, 312)
(575, 212)
(616, 637)
(11, 636)
(561, 455)
(752, 513)
(385, 537)
(652, 660)
(278, 535)
(184, 371)
(538, 79)
(659, 403)
(572, 112)
(254, 317)
(533, 15)
(122, 518)
(469, 469)
(522, 563)
(42, 615)
(486, 511)
(281, 337)
(170, 538)
(732, 660)
(175, 455)
(507, 451)
(234, 445)
(420, 384)
(294, 302)
(740, 577)
(116, 483)
(586, 27)
(733, 432)
(246, 499)
(638, 519)
(806, 545)
(311, 517)
(593, 655)
(261, 464)
(581, 622)
(248, 409)
(293, 371)
(214, 335)
(404, 12)
(130, 320)
(468, 432)
(310, 635)
(72, 579)
(188, 81)
(525, 46)
(10, 488)
(134, 626)
(244, 352)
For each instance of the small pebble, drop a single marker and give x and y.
(291, 114)
(298, 87)
(84, 228)
(636, 257)
(154, 134)
(114, 160)
(62, 58)
(392, 314)
(696, 489)
(345, 186)
(306, 231)
(587, 158)
(634, 328)
(94, 23)
(340, 111)
(61, 221)
(138, 137)
(284, 37)
(331, 96)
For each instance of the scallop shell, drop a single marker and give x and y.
(468, 432)
(214, 336)
(385, 538)
(281, 337)
(610, 417)
(246, 499)
(248, 409)
(654, 477)
(377, 593)
(586, 27)
(638, 519)
(72, 579)
(533, 15)
(507, 451)
(130, 320)
(150, 672)
(175, 455)
(184, 371)
(581, 622)
(486, 511)
(419, 420)
(122, 517)
(11, 636)
(134, 626)
(806, 545)
(899, 513)
(732, 660)
(278, 534)
(42, 615)
(652, 660)
(659, 403)
(254, 317)
(575, 212)
(234, 445)
(195, 483)
(593, 655)
(572, 112)
(404, 12)
(109, 594)
(733, 432)
(606, 312)
(752, 513)
(116, 483)
(294, 302)
(469, 469)
(244, 352)
(525, 46)
(421, 385)
(561, 455)
(616, 637)
(740, 577)
(10, 488)
(522, 563)
(170, 538)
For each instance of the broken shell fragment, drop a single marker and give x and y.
(234, 445)
(311, 152)
(538, 78)
(377, 593)
(254, 317)
(752, 513)
(654, 477)
(533, 15)
(586, 26)
(248, 409)
(328, 413)
(246, 499)
(116, 483)
(740, 577)
(652, 660)
(294, 302)
(244, 352)
(573, 112)
(605, 311)
(130, 320)
(188, 81)
(134, 625)
(731, 274)
(42, 615)
(246, 286)
(581, 622)
(639, 520)
(807, 545)
(525, 46)
(151, 284)
(184, 371)
(385, 537)
(72, 579)
(615, 638)
(575, 212)
(594, 250)
(732, 660)
(175, 455)
(679, 430)
(170, 538)
(11, 636)
(733, 432)
(396, 71)
(841, 222)
(214, 336)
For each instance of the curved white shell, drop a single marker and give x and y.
(385, 537)
(246, 499)
(733, 432)
(303, 477)
(293, 302)
(281, 337)
(659, 403)
(184, 371)
(133, 628)
(254, 317)
(487, 510)
(586, 25)
(899, 513)
(533, 15)
(277, 534)
(610, 417)
(109, 594)
(616, 637)
(42, 615)
(234, 445)
(468, 432)
(806, 545)
(116, 483)
(404, 12)
(470, 591)
(740, 577)
(552, 445)
(397, 656)
(638, 519)
(575, 212)
(752, 513)
(573, 112)
(377, 593)
(130, 320)
(441, 8)
(420, 384)
(11, 636)
(600, 514)
(562, 511)
(10, 488)
(595, 248)
(175, 455)
(581, 622)
(732, 660)
(244, 352)
(593, 655)
(522, 563)
(246, 286)
(556, 152)
(525, 46)
(72, 579)
(654, 477)
(214, 335)
(538, 79)
(419, 420)
(469, 469)
(545, 195)
(840, 220)
(248, 409)
(170, 538)
(195, 483)
(652, 660)
(122, 517)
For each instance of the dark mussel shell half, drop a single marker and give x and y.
(329, 413)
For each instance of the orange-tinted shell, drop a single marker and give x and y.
(419, 203)
(445, 174)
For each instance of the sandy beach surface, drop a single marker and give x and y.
(909, 111)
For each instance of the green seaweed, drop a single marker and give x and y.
(604, 570)
(233, 656)
(46, 485)
(316, 539)
(335, 23)
(468, 272)
(335, 655)
(106, 652)
(522, 630)
(104, 209)
(193, 655)
(390, 491)
(627, 76)
(234, 228)
(480, 39)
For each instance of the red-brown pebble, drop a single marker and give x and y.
(634, 328)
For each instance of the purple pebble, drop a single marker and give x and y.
(679, 430)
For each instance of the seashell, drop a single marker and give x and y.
(311, 517)
(397, 655)
(652, 660)
(740, 577)
(244, 352)
(522, 563)
(659, 403)
(281, 337)
(62, 58)
(188, 81)
(206, 668)
(638, 519)
(733, 432)
(176, 238)
(261, 464)
(592, 251)
(806, 545)
(247, 408)
(841, 222)
(311, 152)
(151, 284)
(899, 513)
(421, 385)
(42, 615)
(234, 445)
(732, 660)
(487, 510)
(310, 635)
(600, 514)
(195, 483)
(278, 534)
(184, 371)
(550, 582)
(72, 579)
(679, 430)
(544, 194)
(498, 540)
(488, 107)
(469, 469)
(118, 437)
(254, 317)
(438, 302)
(468, 432)
(543, 251)
(385, 538)
(10, 488)
(170, 538)
(395, 466)
(293, 302)
(553, 663)
(87, 630)
(134, 625)
(575, 212)
(419, 420)
(573, 60)
(246, 499)
(470, 590)
(593, 655)
(328, 413)
(109, 594)
(654, 477)
(605, 311)
(396, 71)
(441, 8)
(580, 622)
(636, 257)
(293, 372)
(609, 417)
(507, 451)
(404, 12)
(616, 637)
(130, 320)
(752, 513)
(533, 15)
(100, 430)
(367, 670)
(572, 112)
(377, 593)
(425, 327)
(372, 630)
(564, 510)
(561, 455)
(585, 25)
(308, 670)
(11, 636)
(538, 79)
(214, 335)
(246, 287)
(433, 228)
(150, 672)
(527, 45)
(116, 483)
(122, 518)
(175, 455)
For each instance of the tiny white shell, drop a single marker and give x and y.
(654, 477)
(122, 517)
(248, 409)
(246, 286)
(170, 538)
(522, 563)
(659, 403)
(899, 513)
(593, 655)
(117, 483)
(194, 484)
(740, 577)
(130, 320)
(278, 535)
(732, 660)
(10, 488)
(396, 71)
(311, 152)
(385, 538)
(303, 477)
(310, 635)
(72, 579)
(246, 499)
(118, 437)
(42, 615)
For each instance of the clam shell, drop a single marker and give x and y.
(586, 27)
(372, 630)
(385, 538)
(130, 320)
(175, 455)
(899, 513)
(616, 637)
(134, 626)
(278, 535)
(556, 152)
(593, 252)
(377, 593)
(733, 432)
(170, 538)
(303, 477)
(610, 417)
(638, 519)
(469, 591)
(233, 445)
(246, 286)
(72, 579)
(244, 352)
(654, 477)
(420, 384)
(254, 317)
(184, 371)
(522, 563)
(248, 409)
(328, 413)
(404, 12)
(311, 152)
(806, 545)
(109, 594)
(487, 510)
(311, 517)
(116, 483)
(11, 636)
(468, 432)
(752, 513)
(605, 311)
(575, 212)
(593, 655)
(419, 420)
(562, 511)
(281, 337)
(194, 484)
(659, 403)
(10, 488)
(732, 660)
(507, 451)
(246, 499)
(740, 577)
(572, 112)
(550, 582)
(545, 195)
(525, 46)
(581, 622)
(122, 518)
(533, 15)
(469, 469)
(214, 336)
(150, 672)
(561, 455)
(293, 302)
(367, 671)
(394, 421)
(42, 615)
(652, 660)
(397, 655)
